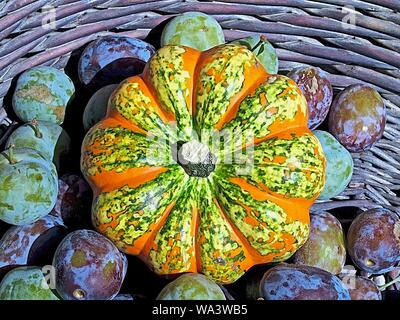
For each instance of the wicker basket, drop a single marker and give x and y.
(304, 32)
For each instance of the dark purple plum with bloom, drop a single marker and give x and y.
(317, 89)
(301, 282)
(358, 117)
(88, 267)
(361, 288)
(373, 240)
(111, 59)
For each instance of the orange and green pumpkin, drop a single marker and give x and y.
(164, 191)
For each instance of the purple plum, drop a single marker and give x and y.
(373, 240)
(30, 244)
(111, 59)
(88, 267)
(300, 282)
(357, 118)
(317, 89)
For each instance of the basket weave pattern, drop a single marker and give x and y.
(304, 32)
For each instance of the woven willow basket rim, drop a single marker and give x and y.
(304, 32)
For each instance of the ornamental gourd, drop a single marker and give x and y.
(164, 190)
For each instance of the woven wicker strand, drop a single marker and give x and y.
(304, 32)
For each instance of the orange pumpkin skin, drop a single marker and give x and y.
(239, 213)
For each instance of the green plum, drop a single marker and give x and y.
(25, 283)
(28, 186)
(325, 247)
(42, 93)
(191, 286)
(48, 138)
(339, 165)
(264, 51)
(96, 108)
(193, 29)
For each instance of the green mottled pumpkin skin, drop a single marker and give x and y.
(191, 286)
(25, 283)
(193, 29)
(42, 93)
(28, 188)
(264, 51)
(53, 143)
(339, 167)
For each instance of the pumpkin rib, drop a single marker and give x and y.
(243, 241)
(108, 180)
(127, 214)
(287, 134)
(284, 133)
(273, 107)
(145, 248)
(231, 71)
(190, 61)
(290, 164)
(140, 243)
(262, 234)
(249, 253)
(285, 204)
(106, 162)
(175, 250)
(170, 77)
(221, 254)
(233, 108)
(196, 235)
(29, 186)
(297, 143)
(294, 153)
(296, 194)
(134, 105)
(255, 256)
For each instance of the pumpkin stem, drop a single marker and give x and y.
(9, 155)
(195, 158)
(34, 125)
